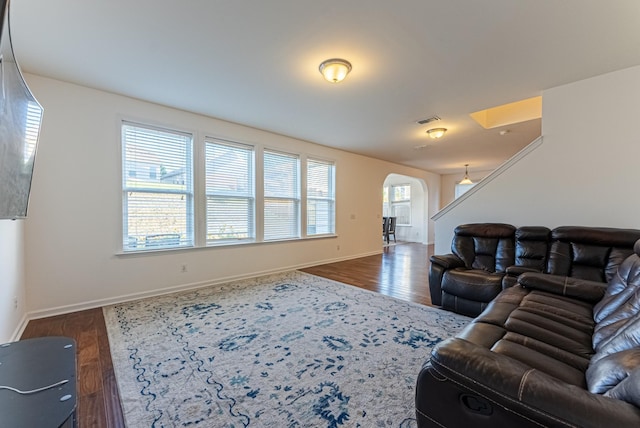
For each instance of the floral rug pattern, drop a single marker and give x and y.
(285, 350)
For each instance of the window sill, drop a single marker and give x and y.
(226, 244)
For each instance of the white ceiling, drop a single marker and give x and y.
(256, 63)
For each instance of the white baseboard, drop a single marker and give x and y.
(20, 328)
(60, 310)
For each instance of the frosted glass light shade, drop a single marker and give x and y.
(436, 132)
(335, 70)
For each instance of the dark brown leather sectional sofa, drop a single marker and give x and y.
(549, 351)
(488, 257)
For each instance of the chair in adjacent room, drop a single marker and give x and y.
(391, 229)
(385, 227)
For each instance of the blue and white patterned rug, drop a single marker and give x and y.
(285, 350)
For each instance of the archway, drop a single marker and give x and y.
(406, 198)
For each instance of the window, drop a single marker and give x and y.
(397, 203)
(180, 192)
(230, 191)
(281, 196)
(320, 197)
(158, 206)
(461, 189)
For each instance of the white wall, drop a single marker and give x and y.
(73, 231)
(449, 181)
(12, 286)
(579, 175)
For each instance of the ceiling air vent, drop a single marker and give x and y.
(428, 120)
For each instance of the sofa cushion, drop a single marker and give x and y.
(609, 371)
(616, 337)
(621, 291)
(592, 253)
(484, 246)
(578, 260)
(617, 315)
(582, 289)
(548, 332)
(627, 390)
(621, 336)
(532, 244)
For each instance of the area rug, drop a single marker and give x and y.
(285, 350)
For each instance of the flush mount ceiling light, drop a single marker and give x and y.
(335, 70)
(436, 132)
(466, 179)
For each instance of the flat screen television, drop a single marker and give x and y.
(20, 120)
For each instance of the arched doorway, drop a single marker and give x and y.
(406, 198)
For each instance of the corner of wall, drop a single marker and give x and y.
(12, 286)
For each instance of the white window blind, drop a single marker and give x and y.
(320, 197)
(396, 202)
(401, 193)
(402, 212)
(281, 196)
(157, 184)
(32, 128)
(230, 191)
(401, 204)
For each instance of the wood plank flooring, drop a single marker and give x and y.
(400, 271)
(98, 399)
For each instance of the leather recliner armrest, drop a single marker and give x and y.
(447, 261)
(512, 274)
(439, 265)
(515, 384)
(519, 270)
(583, 289)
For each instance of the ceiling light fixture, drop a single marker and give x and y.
(466, 179)
(335, 70)
(436, 132)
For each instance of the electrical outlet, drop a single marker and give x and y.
(15, 302)
(183, 268)
(338, 247)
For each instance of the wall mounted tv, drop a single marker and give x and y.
(20, 119)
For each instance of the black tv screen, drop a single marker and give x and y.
(20, 119)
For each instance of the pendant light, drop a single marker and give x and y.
(466, 179)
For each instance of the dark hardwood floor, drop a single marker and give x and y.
(98, 399)
(400, 271)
